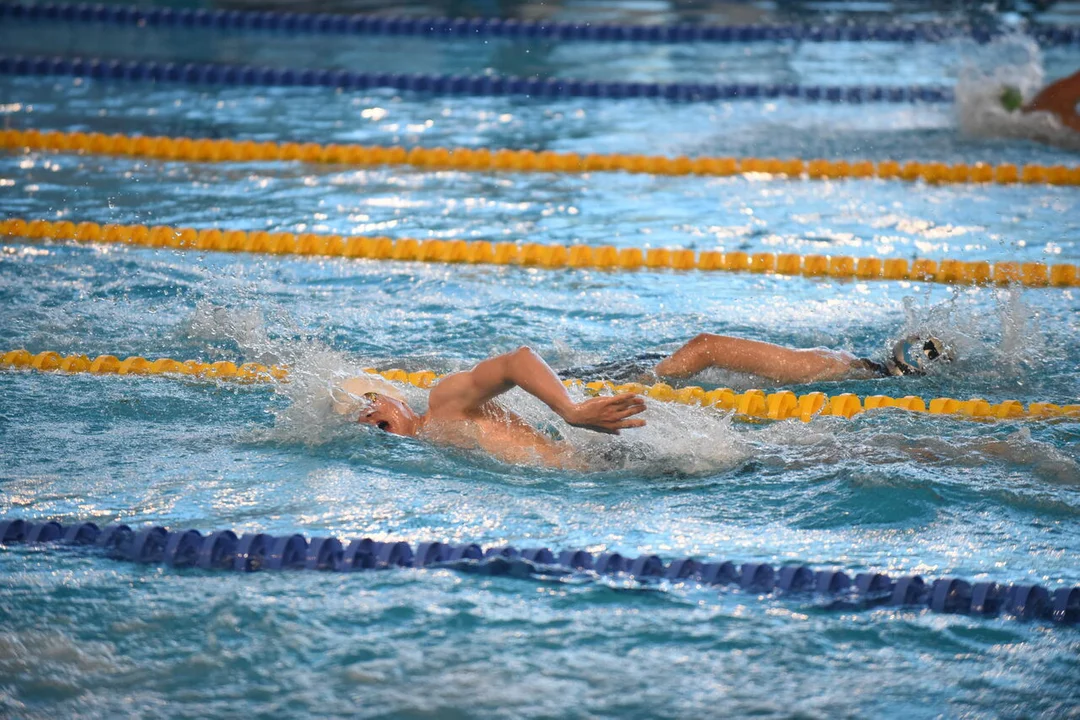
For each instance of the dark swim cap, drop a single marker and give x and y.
(913, 354)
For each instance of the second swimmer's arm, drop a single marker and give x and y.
(1060, 98)
(774, 362)
(468, 391)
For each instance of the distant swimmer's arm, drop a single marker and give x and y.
(775, 362)
(1060, 98)
(467, 392)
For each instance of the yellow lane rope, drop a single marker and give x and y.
(211, 150)
(953, 272)
(753, 404)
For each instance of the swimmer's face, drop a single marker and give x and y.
(388, 414)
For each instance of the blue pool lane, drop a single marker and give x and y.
(82, 633)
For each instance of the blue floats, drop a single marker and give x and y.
(13, 531)
(324, 554)
(251, 551)
(44, 532)
(986, 599)
(1066, 605)
(438, 553)
(147, 545)
(482, 85)
(115, 539)
(182, 548)
(873, 584)
(681, 569)
(950, 595)
(909, 591)
(1027, 602)
(357, 556)
(428, 554)
(718, 573)
(646, 566)
(504, 552)
(757, 577)
(222, 550)
(218, 551)
(831, 582)
(341, 24)
(470, 551)
(393, 554)
(576, 559)
(84, 534)
(796, 579)
(287, 553)
(538, 556)
(609, 563)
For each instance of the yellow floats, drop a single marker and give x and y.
(785, 405)
(953, 272)
(211, 150)
(753, 404)
(135, 365)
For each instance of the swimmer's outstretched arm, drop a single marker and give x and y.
(466, 392)
(774, 362)
(1060, 98)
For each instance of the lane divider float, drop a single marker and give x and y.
(224, 550)
(750, 404)
(523, 29)
(485, 160)
(605, 257)
(437, 84)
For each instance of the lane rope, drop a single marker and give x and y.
(486, 160)
(436, 84)
(481, 28)
(606, 257)
(751, 404)
(225, 551)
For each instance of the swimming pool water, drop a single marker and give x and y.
(889, 492)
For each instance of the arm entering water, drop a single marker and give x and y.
(466, 392)
(1060, 98)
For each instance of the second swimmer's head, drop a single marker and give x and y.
(914, 355)
(1011, 98)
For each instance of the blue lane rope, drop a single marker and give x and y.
(224, 550)
(485, 85)
(337, 24)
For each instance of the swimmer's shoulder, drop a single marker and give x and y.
(446, 391)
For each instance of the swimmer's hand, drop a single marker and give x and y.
(606, 414)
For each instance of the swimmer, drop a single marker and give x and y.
(1058, 98)
(911, 356)
(463, 412)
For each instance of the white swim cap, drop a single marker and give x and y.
(348, 395)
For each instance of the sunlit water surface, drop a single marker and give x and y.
(886, 491)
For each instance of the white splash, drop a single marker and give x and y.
(1010, 61)
(1006, 345)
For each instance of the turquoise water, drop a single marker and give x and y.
(80, 634)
